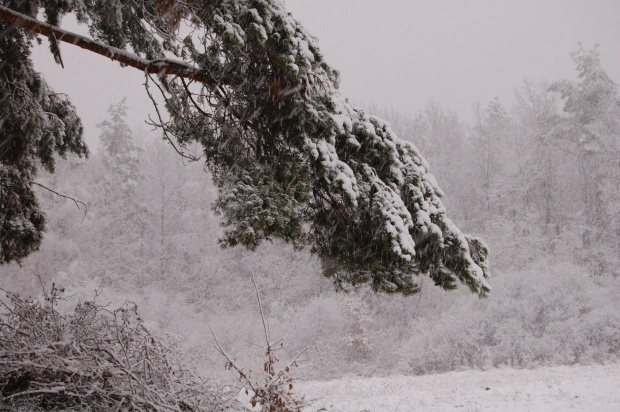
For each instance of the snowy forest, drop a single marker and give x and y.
(309, 219)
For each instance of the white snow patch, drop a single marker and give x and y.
(580, 388)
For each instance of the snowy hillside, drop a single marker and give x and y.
(578, 388)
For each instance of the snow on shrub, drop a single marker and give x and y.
(93, 359)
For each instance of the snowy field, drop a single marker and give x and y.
(578, 388)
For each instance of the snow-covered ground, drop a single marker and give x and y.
(577, 388)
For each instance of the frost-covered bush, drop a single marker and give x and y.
(548, 315)
(94, 359)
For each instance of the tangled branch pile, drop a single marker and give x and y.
(94, 359)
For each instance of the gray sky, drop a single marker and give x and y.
(396, 53)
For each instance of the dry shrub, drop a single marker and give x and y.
(272, 390)
(94, 359)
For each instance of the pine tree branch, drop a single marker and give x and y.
(163, 66)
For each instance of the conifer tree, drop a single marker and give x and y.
(119, 153)
(123, 215)
(291, 156)
(36, 125)
(591, 124)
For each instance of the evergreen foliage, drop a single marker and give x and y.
(291, 156)
(591, 125)
(36, 125)
(119, 194)
(119, 151)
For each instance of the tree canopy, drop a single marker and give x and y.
(590, 126)
(291, 156)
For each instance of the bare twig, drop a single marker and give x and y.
(76, 201)
(161, 124)
(262, 314)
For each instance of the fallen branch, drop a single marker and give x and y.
(94, 359)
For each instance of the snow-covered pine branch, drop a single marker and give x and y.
(161, 66)
(291, 156)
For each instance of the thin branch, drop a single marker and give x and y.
(54, 391)
(161, 124)
(76, 201)
(262, 314)
(253, 344)
(231, 362)
(191, 98)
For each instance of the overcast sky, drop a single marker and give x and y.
(396, 53)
